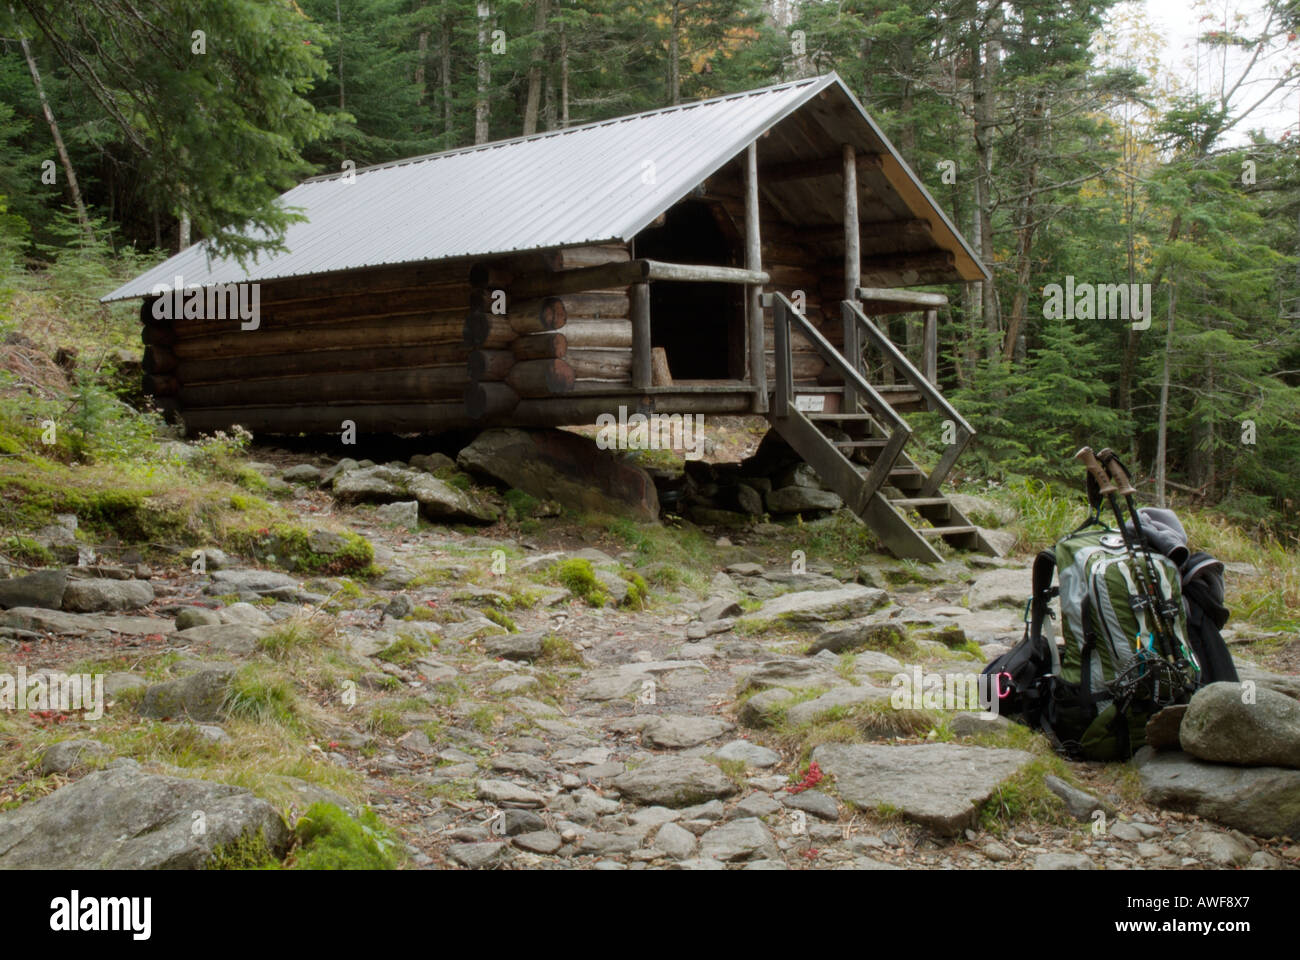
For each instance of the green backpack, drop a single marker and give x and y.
(1114, 672)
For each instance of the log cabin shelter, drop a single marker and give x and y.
(742, 254)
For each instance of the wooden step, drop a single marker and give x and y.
(894, 388)
(920, 502)
(839, 416)
(944, 531)
(860, 444)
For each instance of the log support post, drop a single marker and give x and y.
(754, 291)
(852, 272)
(641, 375)
(930, 346)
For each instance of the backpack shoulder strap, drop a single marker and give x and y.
(1041, 591)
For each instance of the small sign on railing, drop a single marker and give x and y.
(810, 403)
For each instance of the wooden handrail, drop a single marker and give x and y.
(934, 398)
(628, 272)
(837, 360)
(783, 313)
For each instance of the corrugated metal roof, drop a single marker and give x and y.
(602, 181)
(599, 182)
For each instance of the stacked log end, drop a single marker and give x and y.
(538, 348)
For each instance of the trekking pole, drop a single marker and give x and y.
(1108, 489)
(1165, 608)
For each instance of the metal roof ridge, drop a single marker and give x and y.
(824, 79)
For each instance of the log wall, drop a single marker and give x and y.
(436, 346)
(382, 347)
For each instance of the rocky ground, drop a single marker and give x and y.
(501, 704)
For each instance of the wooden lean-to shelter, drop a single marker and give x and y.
(719, 257)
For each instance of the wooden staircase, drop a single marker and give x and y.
(870, 471)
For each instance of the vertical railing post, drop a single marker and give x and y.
(930, 347)
(852, 353)
(852, 270)
(753, 291)
(781, 349)
(641, 375)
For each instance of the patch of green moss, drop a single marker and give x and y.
(251, 480)
(331, 840)
(578, 577)
(27, 551)
(519, 505)
(454, 478)
(405, 649)
(1023, 796)
(500, 619)
(289, 546)
(637, 592)
(558, 649)
(248, 851)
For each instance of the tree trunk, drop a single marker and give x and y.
(481, 105)
(674, 75)
(1026, 216)
(71, 175)
(535, 69)
(1207, 476)
(1129, 346)
(338, 15)
(564, 79)
(448, 123)
(984, 77)
(421, 57)
(907, 135)
(1161, 428)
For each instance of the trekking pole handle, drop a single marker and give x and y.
(1089, 460)
(1123, 485)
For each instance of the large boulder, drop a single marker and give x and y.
(744, 839)
(939, 785)
(1231, 723)
(254, 581)
(125, 819)
(93, 596)
(44, 588)
(1000, 588)
(73, 624)
(515, 646)
(200, 696)
(796, 499)
(672, 731)
(229, 638)
(673, 782)
(67, 755)
(847, 603)
(1264, 801)
(869, 633)
(837, 700)
(1286, 683)
(442, 501)
(389, 484)
(566, 467)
